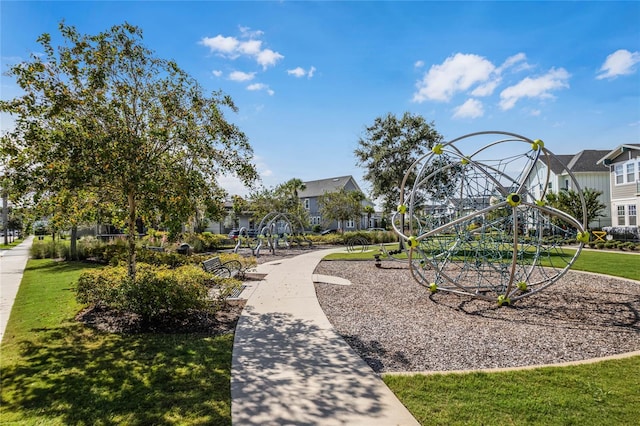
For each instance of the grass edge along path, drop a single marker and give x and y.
(55, 371)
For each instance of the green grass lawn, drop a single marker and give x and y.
(11, 245)
(616, 263)
(606, 393)
(55, 371)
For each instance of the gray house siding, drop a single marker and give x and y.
(625, 187)
(314, 189)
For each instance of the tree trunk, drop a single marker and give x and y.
(131, 237)
(74, 240)
(5, 217)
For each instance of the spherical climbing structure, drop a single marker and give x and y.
(476, 219)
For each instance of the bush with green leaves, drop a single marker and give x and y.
(156, 291)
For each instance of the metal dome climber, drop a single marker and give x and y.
(274, 230)
(478, 224)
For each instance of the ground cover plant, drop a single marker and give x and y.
(57, 371)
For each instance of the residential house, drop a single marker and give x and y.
(587, 171)
(623, 165)
(315, 188)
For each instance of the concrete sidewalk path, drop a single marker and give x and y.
(12, 264)
(290, 367)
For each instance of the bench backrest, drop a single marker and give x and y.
(212, 264)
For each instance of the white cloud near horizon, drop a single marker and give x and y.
(620, 62)
(536, 88)
(299, 72)
(233, 47)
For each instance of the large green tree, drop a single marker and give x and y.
(569, 201)
(104, 112)
(387, 150)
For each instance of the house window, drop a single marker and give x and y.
(631, 173)
(621, 216)
(306, 204)
(566, 184)
(633, 216)
(350, 223)
(619, 174)
(550, 186)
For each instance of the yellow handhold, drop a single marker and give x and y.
(413, 242)
(513, 199)
(402, 209)
(437, 149)
(583, 237)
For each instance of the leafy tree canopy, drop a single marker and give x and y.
(388, 149)
(569, 201)
(101, 112)
(341, 206)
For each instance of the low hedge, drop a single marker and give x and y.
(156, 291)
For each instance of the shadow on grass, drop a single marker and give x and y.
(78, 376)
(51, 266)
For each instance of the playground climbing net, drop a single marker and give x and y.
(476, 220)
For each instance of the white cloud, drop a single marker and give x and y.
(472, 108)
(241, 76)
(517, 61)
(487, 88)
(297, 72)
(217, 73)
(220, 44)
(301, 72)
(620, 62)
(456, 74)
(537, 88)
(418, 64)
(260, 86)
(232, 47)
(268, 58)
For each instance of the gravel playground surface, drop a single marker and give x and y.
(396, 325)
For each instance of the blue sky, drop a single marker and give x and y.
(308, 77)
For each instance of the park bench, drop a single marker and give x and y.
(229, 269)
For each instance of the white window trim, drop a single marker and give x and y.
(622, 168)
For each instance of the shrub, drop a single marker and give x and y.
(156, 291)
(623, 232)
(48, 249)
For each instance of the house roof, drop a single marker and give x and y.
(587, 161)
(611, 155)
(584, 161)
(316, 188)
(559, 163)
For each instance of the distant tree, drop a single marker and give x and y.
(387, 150)
(568, 201)
(369, 210)
(103, 111)
(341, 206)
(284, 198)
(238, 207)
